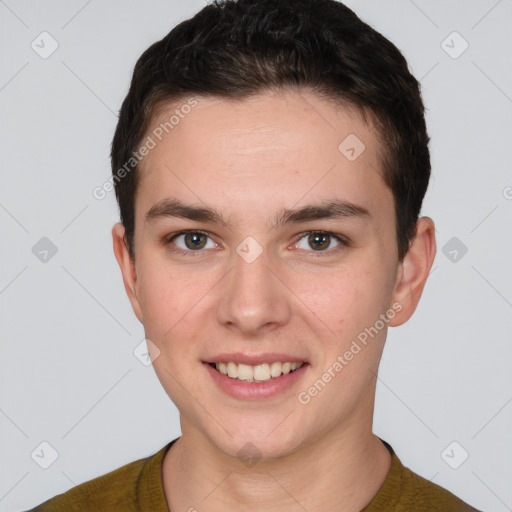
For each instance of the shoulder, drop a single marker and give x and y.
(420, 492)
(123, 489)
(404, 490)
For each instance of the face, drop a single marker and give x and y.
(264, 236)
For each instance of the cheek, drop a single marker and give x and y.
(346, 299)
(172, 299)
(155, 294)
(163, 300)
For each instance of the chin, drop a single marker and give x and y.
(256, 441)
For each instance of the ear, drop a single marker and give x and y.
(414, 270)
(127, 266)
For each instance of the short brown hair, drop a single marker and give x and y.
(237, 48)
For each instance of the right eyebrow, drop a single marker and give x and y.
(175, 208)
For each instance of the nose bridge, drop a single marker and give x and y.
(252, 298)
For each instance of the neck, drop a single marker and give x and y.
(343, 470)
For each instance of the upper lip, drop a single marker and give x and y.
(255, 359)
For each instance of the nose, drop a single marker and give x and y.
(253, 300)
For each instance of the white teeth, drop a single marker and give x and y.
(257, 373)
(232, 370)
(245, 372)
(262, 372)
(275, 369)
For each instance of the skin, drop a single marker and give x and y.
(249, 159)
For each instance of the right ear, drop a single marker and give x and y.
(127, 266)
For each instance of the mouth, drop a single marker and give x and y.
(263, 372)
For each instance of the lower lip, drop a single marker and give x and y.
(256, 390)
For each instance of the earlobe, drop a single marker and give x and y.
(414, 270)
(127, 266)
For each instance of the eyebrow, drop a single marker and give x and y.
(334, 209)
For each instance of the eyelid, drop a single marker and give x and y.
(172, 236)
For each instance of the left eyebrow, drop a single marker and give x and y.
(335, 209)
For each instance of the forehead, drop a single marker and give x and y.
(261, 154)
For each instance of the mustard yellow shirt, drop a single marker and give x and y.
(138, 486)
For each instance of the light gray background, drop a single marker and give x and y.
(68, 373)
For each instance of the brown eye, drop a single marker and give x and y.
(319, 240)
(190, 242)
(195, 240)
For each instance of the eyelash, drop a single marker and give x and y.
(344, 242)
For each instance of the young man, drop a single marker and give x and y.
(270, 163)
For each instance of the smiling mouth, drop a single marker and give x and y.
(257, 373)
